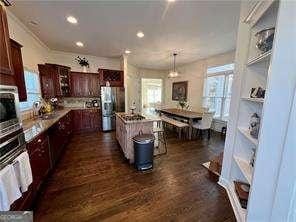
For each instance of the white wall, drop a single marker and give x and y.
(68, 59)
(34, 51)
(194, 74)
(133, 87)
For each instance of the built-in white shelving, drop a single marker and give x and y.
(245, 168)
(255, 100)
(257, 10)
(269, 70)
(261, 58)
(240, 212)
(247, 134)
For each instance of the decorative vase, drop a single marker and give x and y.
(84, 69)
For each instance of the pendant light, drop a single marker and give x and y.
(174, 73)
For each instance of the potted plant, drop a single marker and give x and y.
(83, 63)
(183, 103)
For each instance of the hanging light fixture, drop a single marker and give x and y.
(174, 73)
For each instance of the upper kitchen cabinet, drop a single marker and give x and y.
(47, 80)
(6, 68)
(84, 84)
(55, 80)
(114, 77)
(18, 69)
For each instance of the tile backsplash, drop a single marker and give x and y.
(69, 102)
(76, 102)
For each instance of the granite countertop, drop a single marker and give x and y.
(34, 127)
(147, 119)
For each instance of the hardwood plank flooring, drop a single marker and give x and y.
(94, 182)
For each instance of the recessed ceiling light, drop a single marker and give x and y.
(140, 34)
(72, 19)
(127, 51)
(80, 44)
(170, 0)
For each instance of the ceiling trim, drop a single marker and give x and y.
(20, 23)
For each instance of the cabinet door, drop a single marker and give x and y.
(40, 159)
(77, 120)
(75, 85)
(35, 161)
(45, 158)
(64, 81)
(96, 119)
(79, 84)
(5, 56)
(114, 77)
(84, 84)
(47, 81)
(18, 68)
(94, 85)
(86, 120)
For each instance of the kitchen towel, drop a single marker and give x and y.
(23, 170)
(9, 188)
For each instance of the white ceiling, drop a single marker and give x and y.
(194, 29)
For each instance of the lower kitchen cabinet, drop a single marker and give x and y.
(59, 135)
(39, 154)
(44, 152)
(25, 202)
(87, 120)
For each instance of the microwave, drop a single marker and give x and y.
(9, 110)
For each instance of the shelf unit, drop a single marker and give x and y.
(256, 69)
(245, 168)
(247, 134)
(255, 100)
(260, 58)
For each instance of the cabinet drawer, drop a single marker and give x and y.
(36, 143)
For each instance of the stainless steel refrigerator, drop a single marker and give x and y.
(112, 100)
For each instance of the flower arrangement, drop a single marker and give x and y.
(82, 61)
(183, 103)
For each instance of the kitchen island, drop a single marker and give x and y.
(128, 126)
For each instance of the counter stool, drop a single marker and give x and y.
(159, 133)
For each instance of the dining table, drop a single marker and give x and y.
(188, 115)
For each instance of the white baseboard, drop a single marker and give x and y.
(239, 212)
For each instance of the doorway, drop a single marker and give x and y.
(151, 96)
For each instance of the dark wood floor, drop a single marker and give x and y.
(93, 182)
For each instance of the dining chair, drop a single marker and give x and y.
(204, 124)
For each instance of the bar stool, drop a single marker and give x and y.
(159, 133)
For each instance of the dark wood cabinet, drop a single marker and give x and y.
(44, 151)
(46, 81)
(114, 77)
(25, 202)
(55, 80)
(11, 63)
(59, 135)
(85, 84)
(39, 154)
(94, 85)
(5, 55)
(18, 69)
(87, 120)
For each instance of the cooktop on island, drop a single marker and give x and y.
(132, 117)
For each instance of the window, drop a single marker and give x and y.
(154, 95)
(217, 90)
(33, 90)
(151, 95)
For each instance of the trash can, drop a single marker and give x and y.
(143, 151)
